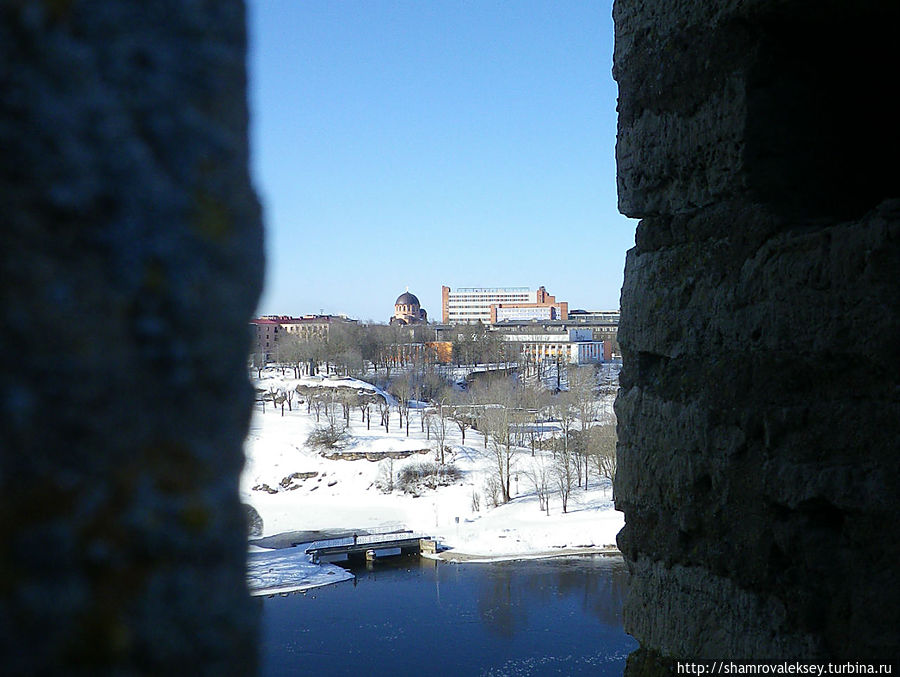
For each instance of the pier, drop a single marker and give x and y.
(367, 546)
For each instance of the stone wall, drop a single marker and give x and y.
(131, 263)
(759, 410)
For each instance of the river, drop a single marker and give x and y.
(408, 615)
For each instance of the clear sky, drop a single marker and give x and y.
(416, 144)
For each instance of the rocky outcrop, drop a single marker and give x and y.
(288, 483)
(373, 456)
(131, 262)
(759, 411)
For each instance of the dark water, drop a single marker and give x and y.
(405, 616)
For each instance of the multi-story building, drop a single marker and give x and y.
(573, 346)
(595, 317)
(489, 305)
(270, 330)
(604, 323)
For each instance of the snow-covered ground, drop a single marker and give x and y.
(344, 494)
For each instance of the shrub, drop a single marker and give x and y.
(428, 474)
(327, 437)
(492, 491)
(385, 480)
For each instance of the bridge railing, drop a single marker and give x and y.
(387, 538)
(370, 539)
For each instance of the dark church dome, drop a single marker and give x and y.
(406, 299)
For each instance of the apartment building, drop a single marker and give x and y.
(489, 305)
(269, 330)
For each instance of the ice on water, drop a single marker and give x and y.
(288, 570)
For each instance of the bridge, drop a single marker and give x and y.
(365, 546)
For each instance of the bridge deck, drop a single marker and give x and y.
(360, 544)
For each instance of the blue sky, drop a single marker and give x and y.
(417, 144)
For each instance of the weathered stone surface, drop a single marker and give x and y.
(754, 98)
(759, 410)
(254, 521)
(738, 622)
(131, 261)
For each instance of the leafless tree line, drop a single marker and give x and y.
(356, 349)
(515, 420)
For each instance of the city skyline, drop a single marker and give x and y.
(437, 318)
(401, 145)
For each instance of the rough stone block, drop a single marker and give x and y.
(758, 410)
(131, 261)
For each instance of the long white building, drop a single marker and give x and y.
(488, 305)
(575, 346)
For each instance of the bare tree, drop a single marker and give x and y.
(401, 388)
(565, 467)
(462, 416)
(384, 408)
(261, 397)
(332, 400)
(603, 449)
(500, 422)
(583, 397)
(316, 402)
(536, 402)
(385, 480)
(347, 399)
(564, 476)
(364, 401)
(565, 413)
(332, 435)
(474, 344)
(304, 392)
(463, 409)
(383, 348)
(291, 352)
(276, 397)
(259, 363)
(539, 475)
(437, 424)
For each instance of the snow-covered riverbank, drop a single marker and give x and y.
(295, 488)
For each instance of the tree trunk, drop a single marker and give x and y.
(508, 495)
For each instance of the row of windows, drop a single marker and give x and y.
(495, 290)
(490, 296)
(305, 330)
(524, 298)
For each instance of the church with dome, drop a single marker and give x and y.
(407, 310)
